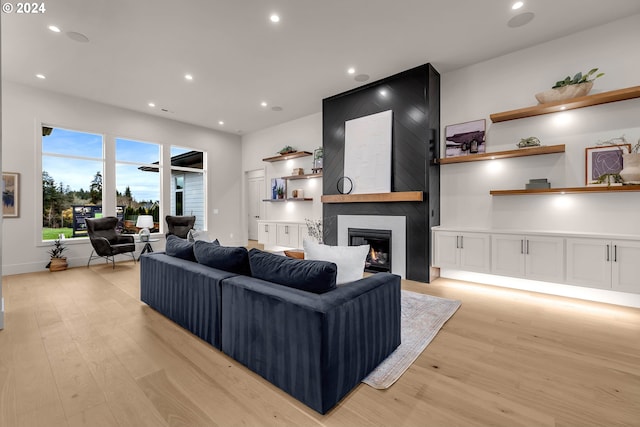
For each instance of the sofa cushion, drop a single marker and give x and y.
(349, 259)
(311, 276)
(179, 248)
(226, 258)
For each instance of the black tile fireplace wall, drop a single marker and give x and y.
(414, 98)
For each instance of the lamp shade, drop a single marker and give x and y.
(144, 221)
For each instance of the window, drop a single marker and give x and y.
(188, 184)
(72, 169)
(179, 194)
(137, 182)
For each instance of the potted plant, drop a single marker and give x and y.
(280, 192)
(579, 85)
(630, 172)
(318, 155)
(58, 262)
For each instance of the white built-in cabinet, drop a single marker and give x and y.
(284, 234)
(464, 251)
(267, 233)
(596, 261)
(287, 235)
(529, 257)
(604, 264)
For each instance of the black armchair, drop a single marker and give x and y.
(180, 225)
(106, 242)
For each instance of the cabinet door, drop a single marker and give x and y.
(287, 235)
(589, 262)
(475, 252)
(544, 258)
(267, 233)
(507, 255)
(446, 249)
(625, 268)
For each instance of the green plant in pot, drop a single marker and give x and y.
(280, 192)
(567, 88)
(58, 262)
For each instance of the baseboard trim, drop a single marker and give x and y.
(35, 267)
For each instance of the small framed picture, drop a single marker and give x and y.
(465, 138)
(10, 194)
(278, 188)
(604, 160)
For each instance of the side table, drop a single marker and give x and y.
(147, 246)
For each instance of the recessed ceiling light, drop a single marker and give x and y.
(221, 123)
(188, 77)
(41, 76)
(151, 104)
(54, 28)
(264, 104)
(517, 5)
(351, 70)
(274, 18)
(276, 108)
(383, 92)
(361, 77)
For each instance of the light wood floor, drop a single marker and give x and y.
(80, 349)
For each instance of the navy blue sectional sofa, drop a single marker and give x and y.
(315, 346)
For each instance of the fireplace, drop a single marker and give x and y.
(379, 256)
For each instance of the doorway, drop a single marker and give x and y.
(255, 194)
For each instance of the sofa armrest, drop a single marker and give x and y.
(184, 291)
(316, 347)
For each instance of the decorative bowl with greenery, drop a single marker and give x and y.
(578, 78)
(286, 150)
(568, 88)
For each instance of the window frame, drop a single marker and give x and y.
(203, 172)
(39, 241)
(159, 166)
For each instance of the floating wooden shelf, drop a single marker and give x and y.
(291, 199)
(520, 152)
(569, 104)
(396, 196)
(281, 157)
(569, 190)
(305, 176)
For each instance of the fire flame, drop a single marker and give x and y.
(373, 255)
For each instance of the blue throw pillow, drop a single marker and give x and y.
(227, 258)
(179, 248)
(311, 276)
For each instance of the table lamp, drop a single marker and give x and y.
(144, 222)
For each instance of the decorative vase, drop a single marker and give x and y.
(58, 264)
(565, 92)
(630, 172)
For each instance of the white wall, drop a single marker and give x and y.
(304, 134)
(24, 108)
(510, 82)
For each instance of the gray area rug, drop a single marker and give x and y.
(422, 318)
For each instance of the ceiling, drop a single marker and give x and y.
(139, 50)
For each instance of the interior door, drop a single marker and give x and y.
(255, 193)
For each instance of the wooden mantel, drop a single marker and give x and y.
(396, 196)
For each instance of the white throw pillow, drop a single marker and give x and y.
(194, 235)
(349, 259)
